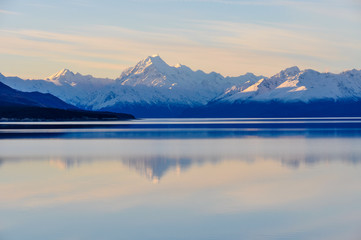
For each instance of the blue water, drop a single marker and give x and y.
(181, 179)
(185, 128)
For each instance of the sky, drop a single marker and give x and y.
(232, 37)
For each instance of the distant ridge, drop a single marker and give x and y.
(152, 88)
(17, 105)
(10, 97)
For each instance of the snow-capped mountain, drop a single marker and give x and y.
(293, 85)
(152, 88)
(154, 82)
(151, 83)
(75, 89)
(18, 105)
(67, 77)
(12, 97)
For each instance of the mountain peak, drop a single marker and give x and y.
(63, 72)
(59, 77)
(346, 72)
(153, 60)
(292, 71)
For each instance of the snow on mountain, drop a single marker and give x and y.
(67, 77)
(150, 72)
(239, 84)
(153, 83)
(12, 97)
(63, 74)
(150, 82)
(291, 85)
(75, 89)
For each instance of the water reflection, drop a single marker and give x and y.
(249, 187)
(153, 159)
(152, 168)
(232, 198)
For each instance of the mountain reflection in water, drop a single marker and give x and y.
(226, 182)
(155, 158)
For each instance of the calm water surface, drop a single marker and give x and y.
(181, 179)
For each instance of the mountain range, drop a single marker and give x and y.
(12, 97)
(152, 88)
(18, 105)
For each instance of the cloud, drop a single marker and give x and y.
(343, 10)
(231, 48)
(279, 39)
(8, 12)
(233, 2)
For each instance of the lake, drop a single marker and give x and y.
(181, 179)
